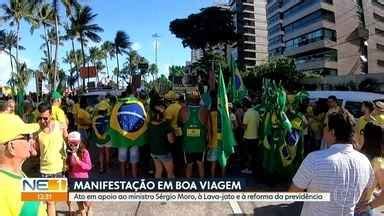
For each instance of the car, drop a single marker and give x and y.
(92, 96)
(350, 100)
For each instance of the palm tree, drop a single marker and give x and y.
(76, 57)
(122, 44)
(153, 70)
(45, 17)
(95, 56)
(8, 43)
(49, 42)
(46, 67)
(70, 34)
(22, 78)
(107, 50)
(14, 12)
(133, 61)
(68, 59)
(69, 6)
(83, 25)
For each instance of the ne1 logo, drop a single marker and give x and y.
(44, 185)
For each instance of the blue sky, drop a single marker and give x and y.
(139, 18)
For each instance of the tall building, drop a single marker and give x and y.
(328, 37)
(250, 21)
(196, 55)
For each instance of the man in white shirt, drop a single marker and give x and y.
(339, 170)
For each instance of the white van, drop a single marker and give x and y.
(351, 100)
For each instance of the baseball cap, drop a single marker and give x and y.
(379, 105)
(56, 95)
(12, 126)
(74, 136)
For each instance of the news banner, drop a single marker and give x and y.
(154, 190)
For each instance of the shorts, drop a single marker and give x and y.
(54, 175)
(212, 155)
(133, 155)
(106, 145)
(194, 157)
(250, 146)
(164, 157)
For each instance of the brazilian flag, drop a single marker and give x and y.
(226, 146)
(128, 123)
(237, 89)
(100, 127)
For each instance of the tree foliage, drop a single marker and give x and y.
(210, 27)
(282, 70)
(176, 70)
(210, 62)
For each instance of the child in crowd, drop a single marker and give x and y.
(79, 163)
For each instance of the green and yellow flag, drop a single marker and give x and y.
(128, 123)
(226, 146)
(237, 89)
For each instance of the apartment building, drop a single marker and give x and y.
(250, 21)
(328, 37)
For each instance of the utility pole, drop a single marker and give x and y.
(156, 38)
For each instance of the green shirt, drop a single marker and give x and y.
(194, 132)
(157, 137)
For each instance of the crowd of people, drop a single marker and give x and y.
(182, 132)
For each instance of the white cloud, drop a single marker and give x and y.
(136, 46)
(5, 68)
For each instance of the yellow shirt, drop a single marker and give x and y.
(172, 114)
(361, 123)
(251, 120)
(52, 150)
(316, 124)
(59, 115)
(75, 108)
(10, 197)
(84, 119)
(104, 104)
(379, 119)
(378, 166)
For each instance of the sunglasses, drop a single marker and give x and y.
(43, 118)
(27, 137)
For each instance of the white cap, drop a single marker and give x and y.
(74, 136)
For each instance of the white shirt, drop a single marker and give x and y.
(341, 171)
